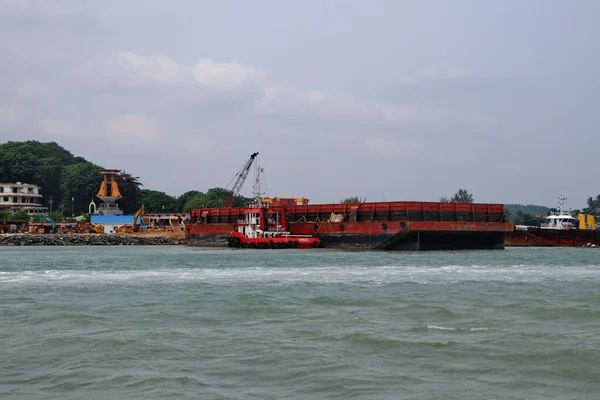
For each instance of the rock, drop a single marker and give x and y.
(78, 239)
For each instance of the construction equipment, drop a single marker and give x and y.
(134, 226)
(139, 213)
(123, 229)
(86, 227)
(174, 223)
(239, 178)
(47, 218)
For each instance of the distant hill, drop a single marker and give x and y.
(40, 164)
(531, 209)
(72, 182)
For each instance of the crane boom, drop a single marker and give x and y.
(241, 178)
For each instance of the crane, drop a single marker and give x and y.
(240, 178)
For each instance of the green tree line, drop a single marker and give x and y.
(461, 196)
(71, 183)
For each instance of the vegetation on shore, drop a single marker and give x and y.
(70, 183)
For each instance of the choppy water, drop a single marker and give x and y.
(175, 323)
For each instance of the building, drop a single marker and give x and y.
(109, 193)
(21, 196)
(111, 222)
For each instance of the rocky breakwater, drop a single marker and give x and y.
(75, 239)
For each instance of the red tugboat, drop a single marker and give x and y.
(262, 228)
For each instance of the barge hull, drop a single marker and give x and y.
(416, 236)
(536, 237)
(379, 226)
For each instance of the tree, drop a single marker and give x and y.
(461, 196)
(241, 201)
(36, 163)
(5, 216)
(183, 199)
(513, 209)
(55, 216)
(80, 181)
(20, 216)
(197, 200)
(353, 200)
(130, 188)
(157, 202)
(593, 205)
(524, 218)
(213, 198)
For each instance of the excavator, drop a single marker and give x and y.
(138, 214)
(47, 218)
(134, 227)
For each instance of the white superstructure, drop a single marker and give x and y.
(561, 219)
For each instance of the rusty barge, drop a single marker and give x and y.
(538, 237)
(560, 229)
(407, 225)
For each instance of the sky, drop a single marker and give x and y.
(388, 100)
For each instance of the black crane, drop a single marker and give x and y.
(240, 178)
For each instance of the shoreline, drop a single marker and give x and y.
(84, 239)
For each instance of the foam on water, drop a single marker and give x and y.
(457, 329)
(315, 274)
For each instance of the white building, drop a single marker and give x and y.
(21, 196)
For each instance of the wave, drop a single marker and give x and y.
(379, 275)
(457, 329)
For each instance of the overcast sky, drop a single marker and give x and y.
(402, 100)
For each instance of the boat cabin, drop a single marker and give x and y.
(562, 222)
(560, 219)
(260, 223)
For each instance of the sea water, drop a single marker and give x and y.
(179, 322)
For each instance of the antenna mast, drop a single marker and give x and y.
(257, 190)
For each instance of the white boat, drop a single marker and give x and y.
(560, 219)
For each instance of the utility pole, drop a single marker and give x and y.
(72, 206)
(50, 202)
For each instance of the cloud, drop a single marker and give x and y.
(160, 70)
(152, 69)
(11, 6)
(10, 115)
(404, 147)
(225, 74)
(234, 79)
(51, 126)
(382, 146)
(32, 90)
(292, 100)
(134, 129)
(466, 101)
